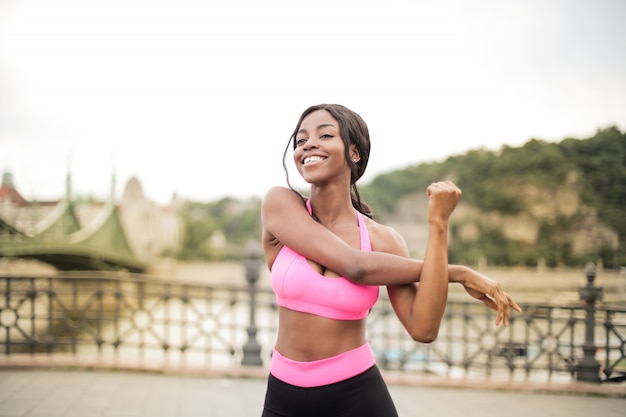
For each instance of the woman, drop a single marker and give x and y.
(328, 258)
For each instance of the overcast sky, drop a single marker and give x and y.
(199, 98)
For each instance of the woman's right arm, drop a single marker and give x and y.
(286, 219)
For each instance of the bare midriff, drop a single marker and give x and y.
(307, 337)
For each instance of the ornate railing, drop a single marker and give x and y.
(127, 320)
(131, 320)
(543, 343)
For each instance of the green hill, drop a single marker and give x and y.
(558, 203)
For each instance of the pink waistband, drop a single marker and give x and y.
(323, 371)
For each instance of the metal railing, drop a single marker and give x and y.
(130, 320)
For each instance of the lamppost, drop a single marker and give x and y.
(252, 348)
(588, 369)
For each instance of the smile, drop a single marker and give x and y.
(310, 159)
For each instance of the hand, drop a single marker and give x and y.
(491, 293)
(442, 199)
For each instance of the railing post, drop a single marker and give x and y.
(588, 369)
(252, 348)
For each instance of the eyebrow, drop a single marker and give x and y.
(323, 125)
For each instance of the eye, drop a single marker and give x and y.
(300, 141)
(326, 136)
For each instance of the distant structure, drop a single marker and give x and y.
(153, 231)
(17, 211)
(72, 234)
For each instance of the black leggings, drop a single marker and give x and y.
(364, 395)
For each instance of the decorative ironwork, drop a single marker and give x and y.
(131, 320)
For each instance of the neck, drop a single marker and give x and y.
(332, 205)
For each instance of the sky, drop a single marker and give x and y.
(199, 98)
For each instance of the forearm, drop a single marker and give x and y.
(431, 297)
(380, 270)
(457, 274)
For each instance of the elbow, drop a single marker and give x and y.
(356, 273)
(357, 268)
(426, 339)
(424, 335)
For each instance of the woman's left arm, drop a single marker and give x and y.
(420, 307)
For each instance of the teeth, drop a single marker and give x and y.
(312, 159)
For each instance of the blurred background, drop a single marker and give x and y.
(180, 112)
(137, 139)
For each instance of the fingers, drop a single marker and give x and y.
(501, 308)
(441, 187)
(490, 292)
(502, 305)
(442, 199)
(500, 316)
(504, 309)
(514, 305)
(503, 317)
(489, 303)
(504, 313)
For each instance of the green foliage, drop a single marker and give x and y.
(237, 221)
(491, 182)
(553, 244)
(197, 229)
(602, 162)
(384, 190)
(495, 248)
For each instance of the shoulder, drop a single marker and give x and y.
(280, 195)
(386, 239)
(279, 205)
(276, 205)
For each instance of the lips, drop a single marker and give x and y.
(311, 159)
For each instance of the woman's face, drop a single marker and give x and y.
(320, 151)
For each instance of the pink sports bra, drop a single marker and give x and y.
(299, 287)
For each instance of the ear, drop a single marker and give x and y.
(354, 154)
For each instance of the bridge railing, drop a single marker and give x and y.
(130, 320)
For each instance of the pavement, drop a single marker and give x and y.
(66, 392)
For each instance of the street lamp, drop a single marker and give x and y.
(252, 348)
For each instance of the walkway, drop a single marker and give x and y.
(84, 393)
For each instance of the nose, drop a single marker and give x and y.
(311, 143)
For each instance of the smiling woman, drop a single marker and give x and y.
(328, 258)
(330, 127)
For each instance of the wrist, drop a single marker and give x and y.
(438, 223)
(457, 274)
